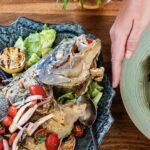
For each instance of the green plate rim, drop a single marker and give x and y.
(133, 87)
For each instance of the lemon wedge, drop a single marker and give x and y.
(12, 60)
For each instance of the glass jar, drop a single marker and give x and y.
(93, 4)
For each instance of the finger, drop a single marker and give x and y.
(118, 50)
(130, 48)
(132, 41)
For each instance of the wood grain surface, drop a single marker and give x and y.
(123, 134)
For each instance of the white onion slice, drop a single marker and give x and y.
(31, 129)
(28, 99)
(43, 102)
(17, 117)
(17, 126)
(16, 140)
(30, 126)
(27, 115)
(5, 145)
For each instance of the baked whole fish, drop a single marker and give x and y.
(70, 64)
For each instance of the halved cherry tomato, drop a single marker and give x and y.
(89, 40)
(40, 136)
(12, 111)
(1, 145)
(52, 142)
(33, 103)
(37, 90)
(12, 138)
(7, 121)
(2, 129)
(78, 130)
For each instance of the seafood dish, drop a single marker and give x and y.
(51, 93)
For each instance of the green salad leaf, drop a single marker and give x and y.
(68, 97)
(45, 51)
(37, 45)
(32, 44)
(37, 42)
(95, 92)
(20, 44)
(32, 60)
(47, 38)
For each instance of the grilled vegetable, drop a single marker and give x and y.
(12, 60)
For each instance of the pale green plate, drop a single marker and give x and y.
(135, 88)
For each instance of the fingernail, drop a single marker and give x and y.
(114, 85)
(128, 55)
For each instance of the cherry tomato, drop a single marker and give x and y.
(2, 129)
(1, 145)
(37, 90)
(7, 121)
(52, 142)
(12, 111)
(89, 40)
(12, 138)
(78, 130)
(40, 136)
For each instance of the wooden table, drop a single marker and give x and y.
(123, 134)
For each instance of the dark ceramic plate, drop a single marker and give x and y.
(22, 27)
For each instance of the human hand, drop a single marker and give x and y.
(133, 18)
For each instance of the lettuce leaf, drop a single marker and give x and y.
(32, 44)
(47, 38)
(95, 92)
(68, 97)
(45, 51)
(37, 42)
(32, 60)
(37, 45)
(20, 44)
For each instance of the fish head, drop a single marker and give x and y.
(71, 63)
